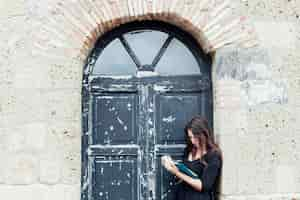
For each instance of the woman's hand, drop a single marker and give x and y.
(173, 169)
(169, 164)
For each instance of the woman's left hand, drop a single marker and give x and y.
(170, 165)
(173, 169)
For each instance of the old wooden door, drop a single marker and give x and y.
(142, 83)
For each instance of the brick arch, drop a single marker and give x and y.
(214, 24)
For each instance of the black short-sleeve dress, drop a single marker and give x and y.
(208, 173)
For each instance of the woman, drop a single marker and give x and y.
(202, 156)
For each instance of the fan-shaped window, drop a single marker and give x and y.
(114, 60)
(177, 60)
(159, 51)
(146, 44)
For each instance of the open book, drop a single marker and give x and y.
(184, 169)
(181, 166)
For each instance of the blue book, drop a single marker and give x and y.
(184, 169)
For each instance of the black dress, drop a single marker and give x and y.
(208, 173)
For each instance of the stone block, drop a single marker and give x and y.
(50, 168)
(7, 101)
(24, 192)
(230, 121)
(66, 75)
(229, 146)
(242, 64)
(229, 181)
(256, 92)
(26, 138)
(276, 34)
(3, 156)
(275, 10)
(291, 196)
(286, 149)
(30, 106)
(65, 130)
(30, 77)
(35, 136)
(253, 69)
(12, 8)
(71, 167)
(3, 138)
(22, 169)
(64, 192)
(40, 192)
(62, 105)
(256, 179)
(15, 140)
(8, 120)
(294, 90)
(250, 150)
(7, 72)
(286, 179)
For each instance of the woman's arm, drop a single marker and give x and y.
(172, 168)
(195, 183)
(206, 181)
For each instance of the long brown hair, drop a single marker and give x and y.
(200, 129)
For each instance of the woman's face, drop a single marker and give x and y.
(193, 139)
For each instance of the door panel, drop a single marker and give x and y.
(114, 119)
(115, 177)
(173, 112)
(113, 150)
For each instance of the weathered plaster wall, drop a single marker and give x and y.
(39, 112)
(256, 98)
(263, 144)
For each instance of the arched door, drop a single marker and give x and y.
(142, 83)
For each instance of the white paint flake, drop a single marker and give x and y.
(112, 109)
(151, 132)
(120, 121)
(162, 88)
(115, 146)
(146, 74)
(111, 127)
(150, 122)
(169, 119)
(107, 141)
(106, 97)
(116, 77)
(121, 151)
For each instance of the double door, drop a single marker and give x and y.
(129, 124)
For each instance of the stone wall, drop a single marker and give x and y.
(263, 149)
(256, 88)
